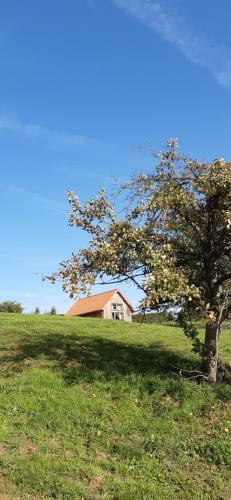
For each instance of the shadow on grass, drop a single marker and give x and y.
(88, 358)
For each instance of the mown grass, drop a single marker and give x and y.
(90, 409)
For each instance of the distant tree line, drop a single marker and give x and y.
(52, 311)
(158, 317)
(10, 306)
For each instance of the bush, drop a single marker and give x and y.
(11, 307)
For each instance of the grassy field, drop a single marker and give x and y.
(89, 409)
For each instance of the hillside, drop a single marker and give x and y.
(90, 409)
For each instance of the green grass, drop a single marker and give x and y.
(89, 409)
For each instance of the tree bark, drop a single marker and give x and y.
(211, 351)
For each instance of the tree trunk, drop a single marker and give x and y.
(211, 351)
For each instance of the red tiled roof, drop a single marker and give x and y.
(93, 303)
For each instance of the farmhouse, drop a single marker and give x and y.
(107, 305)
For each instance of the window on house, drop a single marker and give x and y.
(117, 307)
(118, 316)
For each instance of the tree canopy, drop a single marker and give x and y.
(172, 240)
(10, 306)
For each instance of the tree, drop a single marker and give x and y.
(11, 307)
(37, 310)
(53, 310)
(173, 241)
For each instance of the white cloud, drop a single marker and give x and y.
(28, 294)
(14, 292)
(32, 131)
(196, 47)
(39, 200)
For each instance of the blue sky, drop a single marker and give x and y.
(83, 83)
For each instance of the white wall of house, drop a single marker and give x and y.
(117, 308)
